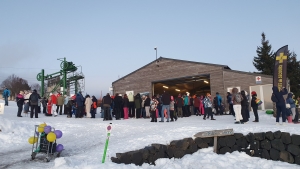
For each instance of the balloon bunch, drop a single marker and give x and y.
(51, 135)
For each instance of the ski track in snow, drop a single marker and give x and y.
(84, 141)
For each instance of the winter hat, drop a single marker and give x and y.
(253, 93)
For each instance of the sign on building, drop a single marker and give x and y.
(258, 79)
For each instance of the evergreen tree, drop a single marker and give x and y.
(264, 61)
(293, 72)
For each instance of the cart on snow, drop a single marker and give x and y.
(43, 146)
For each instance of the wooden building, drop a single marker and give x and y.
(181, 76)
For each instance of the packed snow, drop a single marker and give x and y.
(84, 141)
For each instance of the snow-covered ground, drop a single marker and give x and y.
(84, 140)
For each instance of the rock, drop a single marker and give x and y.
(277, 144)
(295, 150)
(178, 153)
(250, 137)
(242, 142)
(230, 141)
(198, 140)
(222, 142)
(118, 155)
(247, 151)
(269, 135)
(265, 144)
(136, 157)
(189, 140)
(286, 138)
(124, 158)
(254, 145)
(297, 160)
(296, 139)
(274, 154)
(161, 154)
(265, 154)
(238, 135)
(235, 148)
(170, 152)
(259, 136)
(151, 149)
(277, 134)
(256, 153)
(145, 153)
(193, 148)
(115, 160)
(159, 147)
(225, 150)
(211, 142)
(286, 157)
(203, 145)
(208, 139)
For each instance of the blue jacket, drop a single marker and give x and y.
(219, 99)
(289, 100)
(279, 95)
(6, 93)
(79, 99)
(186, 100)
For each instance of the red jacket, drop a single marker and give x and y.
(53, 99)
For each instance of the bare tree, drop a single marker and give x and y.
(15, 84)
(36, 86)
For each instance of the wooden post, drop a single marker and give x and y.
(215, 134)
(215, 144)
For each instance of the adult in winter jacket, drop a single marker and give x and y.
(26, 102)
(125, 106)
(60, 102)
(88, 103)
(180, 104)
(236, 101)
(280, 104)
(245, 105)
(6, 94)
(131, 107)
(94, 107)
(138, 105)
(66, 100)
(80, 104)
(20, 103)
(166, 99)
(53, 103)
(107, 101)
(254, 105)
(196, 105)
(34, 99)
(117, 106)
(219, 102)
(208, 107)
(147, 106)
(290, 100)
(230, 104)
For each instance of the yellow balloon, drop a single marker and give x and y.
(41, 127)
(51, 137)
(32, 140)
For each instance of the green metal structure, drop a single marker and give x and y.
(67, 68)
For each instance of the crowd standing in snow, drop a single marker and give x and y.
(165, 107)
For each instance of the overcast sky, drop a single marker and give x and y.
(110, 39)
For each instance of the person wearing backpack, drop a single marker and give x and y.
(34, 99)
(236, 101)
(254, 105)
(277, 97)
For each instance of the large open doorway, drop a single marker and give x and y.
(199, 85)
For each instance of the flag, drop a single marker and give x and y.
(280, 67)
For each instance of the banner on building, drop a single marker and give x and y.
(280, 67)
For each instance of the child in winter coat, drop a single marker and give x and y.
(49, 107)
(172, 108)
(254, 105)
(153, 109)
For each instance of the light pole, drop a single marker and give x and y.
(156, 52)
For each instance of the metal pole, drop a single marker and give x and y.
(42, 83)
(156, 53)
(65, 77)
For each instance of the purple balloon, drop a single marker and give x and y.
(58, 133)
(59, 148)
(47, 129)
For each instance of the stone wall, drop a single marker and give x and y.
(269, 145)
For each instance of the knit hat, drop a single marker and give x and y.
(253, 93)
